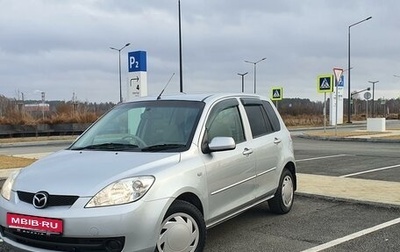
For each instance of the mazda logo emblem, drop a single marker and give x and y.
(40, 200)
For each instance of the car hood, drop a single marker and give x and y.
(84, 173)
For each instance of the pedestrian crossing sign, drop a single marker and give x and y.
(325, 83)
(277, 94)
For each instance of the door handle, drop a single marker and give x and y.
(277, 141)
(247, 151)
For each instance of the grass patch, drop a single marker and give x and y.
(14, 162)
(394, 137)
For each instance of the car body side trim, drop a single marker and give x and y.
(239, 211)
(233, 185)
(267, 171)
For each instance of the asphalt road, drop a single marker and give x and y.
(336, 225)
(32, 148)
(312, 221)
(368, 160)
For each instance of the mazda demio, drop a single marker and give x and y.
(153, 175)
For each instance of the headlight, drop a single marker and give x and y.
(122, 192)
(8, 184)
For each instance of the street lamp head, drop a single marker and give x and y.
(260, 60)
(366, 19)
(116, 49)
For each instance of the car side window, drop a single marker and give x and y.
(225, 122)
(259, 123)
(276, 126)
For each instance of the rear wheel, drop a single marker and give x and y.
(282, 202)
(183, 229)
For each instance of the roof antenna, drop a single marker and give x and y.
(162, 91)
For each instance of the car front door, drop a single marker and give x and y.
(230, 173)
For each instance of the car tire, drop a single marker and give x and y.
(183, 229)
(282, 202)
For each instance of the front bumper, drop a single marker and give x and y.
(135, 226)
(30, 241)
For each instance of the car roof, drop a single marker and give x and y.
(206, 97)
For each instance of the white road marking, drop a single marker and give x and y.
(369, 171)
(316, 158)
(352, 236)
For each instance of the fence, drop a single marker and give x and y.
(42, 130)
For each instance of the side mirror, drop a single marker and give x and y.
(222, 144)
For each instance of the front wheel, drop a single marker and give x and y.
(183, 229)
(282, 202)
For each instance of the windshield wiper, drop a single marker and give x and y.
(162, 147)
(108, 146)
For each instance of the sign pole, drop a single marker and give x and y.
(325, 85)
(324, 112)
(337, 105)
(338, 73)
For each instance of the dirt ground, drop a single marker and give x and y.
(14, 162)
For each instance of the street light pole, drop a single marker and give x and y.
(349, 67)
(373, 97)
(119, 68)
(242, 75)
(255, 71)
(180, 48)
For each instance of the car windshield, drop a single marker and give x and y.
(146, 126)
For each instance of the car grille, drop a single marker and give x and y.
(53, 200)
(60, 243)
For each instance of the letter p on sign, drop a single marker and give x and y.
(137, 61)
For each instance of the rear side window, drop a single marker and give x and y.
(262, 117)
(273, 118)
(258, 120)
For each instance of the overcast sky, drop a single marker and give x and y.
(62, 46)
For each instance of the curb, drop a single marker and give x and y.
(372, 140)
(348, 200)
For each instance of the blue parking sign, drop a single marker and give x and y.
(137, 61)
(341, 81)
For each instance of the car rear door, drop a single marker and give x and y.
(265, 143)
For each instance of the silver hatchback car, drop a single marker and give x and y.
(153, 175)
